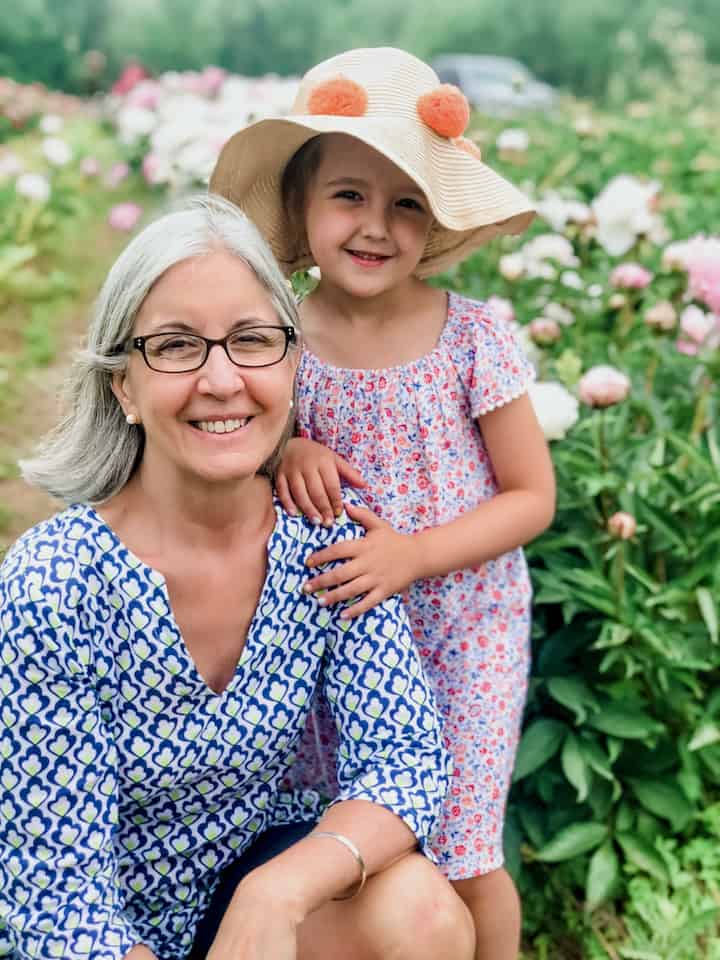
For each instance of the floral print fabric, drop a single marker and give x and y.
(127, 784)
(412, 431)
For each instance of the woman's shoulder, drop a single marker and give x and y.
(300, 529)
(54, 550)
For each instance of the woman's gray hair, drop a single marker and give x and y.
(93, 451)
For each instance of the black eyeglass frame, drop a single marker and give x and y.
(138, 343)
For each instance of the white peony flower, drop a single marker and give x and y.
(558, 211)
(623, 212)
(556, 311)
(555, 407)
(10, 164)
(51, 124)
(34, 186)
(57, 152)
(513, 139)
(550, 246)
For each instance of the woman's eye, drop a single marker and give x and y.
(173, 344)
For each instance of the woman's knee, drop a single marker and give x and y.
(421, 916)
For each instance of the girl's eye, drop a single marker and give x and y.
(411, 204)
(348, 195)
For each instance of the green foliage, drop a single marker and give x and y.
(620, 755)
(590, 48)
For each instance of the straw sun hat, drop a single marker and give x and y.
(394, 103)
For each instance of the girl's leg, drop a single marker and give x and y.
(407, 912)
(495, 908)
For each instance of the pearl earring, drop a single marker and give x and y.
(292, 404)
(131, 419)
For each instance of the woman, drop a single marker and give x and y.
(159, 656)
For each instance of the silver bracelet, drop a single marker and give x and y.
(349, 845)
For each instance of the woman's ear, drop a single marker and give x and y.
(119, 386)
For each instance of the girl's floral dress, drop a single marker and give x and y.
(412, 430)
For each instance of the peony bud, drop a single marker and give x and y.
(511, 266)
(544, 330)
(630, 276)
(617, 301)
(622, 525)
(662, 316)
(603, 386)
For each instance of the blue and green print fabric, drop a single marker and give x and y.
(127, 784)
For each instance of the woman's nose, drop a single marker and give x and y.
(219, 375)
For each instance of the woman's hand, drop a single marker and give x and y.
(255, 927)
(381, 563)
(308, 480)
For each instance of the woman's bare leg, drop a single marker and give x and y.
(407, 912)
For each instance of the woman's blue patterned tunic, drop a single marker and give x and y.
(127, 784)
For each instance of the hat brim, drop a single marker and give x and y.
(469, 201)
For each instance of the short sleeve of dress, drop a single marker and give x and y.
(488, 356)
(59, 893)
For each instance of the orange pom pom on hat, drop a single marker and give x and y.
(395, 104)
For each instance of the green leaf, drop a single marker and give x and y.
(664, 799)
(602, 876)
(572, 841)
(624, 722)
(573, 693)
(574, 767)
(642, 855)
(539, 743)
(709, 613)
(705, 734)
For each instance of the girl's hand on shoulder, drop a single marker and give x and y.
(309, 479)
(378, 565)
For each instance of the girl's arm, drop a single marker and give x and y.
(386, 562)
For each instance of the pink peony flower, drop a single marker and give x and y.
(151, 168)
(117, 173)
(702, 261)
(543, 330)
(89, 167)
(501, 308)
(132, 75)
(697, 325)
(622, 525)
(124, 216)
(630, 276)
(603, 386)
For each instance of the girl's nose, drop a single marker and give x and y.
(374, 224)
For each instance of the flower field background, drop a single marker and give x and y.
(614, 823)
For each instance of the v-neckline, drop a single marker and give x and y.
(159, 580)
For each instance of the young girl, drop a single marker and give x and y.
(418, 396)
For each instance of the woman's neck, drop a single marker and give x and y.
(156, 517)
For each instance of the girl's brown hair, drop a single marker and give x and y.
(296, 179)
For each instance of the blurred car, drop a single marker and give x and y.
(498, 86)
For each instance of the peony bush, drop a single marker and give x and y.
(617, 290)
